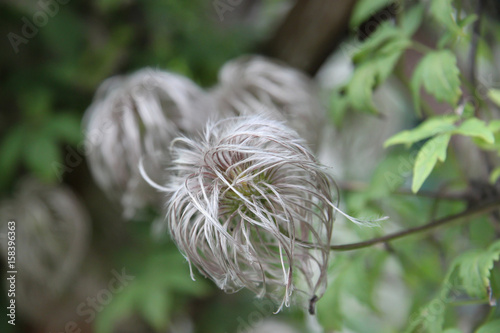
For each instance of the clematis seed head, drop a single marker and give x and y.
(250, 207)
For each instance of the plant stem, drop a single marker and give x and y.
(468, 213)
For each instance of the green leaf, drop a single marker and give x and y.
(65, 127)
(432, 151)
(474, 127)
(439, 74)
(412, 19)
(474, 269)
(366, 77)
(494, 175)
(442, 11)
(364, 9)
(428, 128)
(494, 126)
(452, 330)
(10, 153)
(491, 327)
(387, 40)
(40, 154)
(155, 308)
(494, 95)
(36, 104)
(430, 318)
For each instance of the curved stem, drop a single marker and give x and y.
(471, 212)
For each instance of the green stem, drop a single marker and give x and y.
(468, 213)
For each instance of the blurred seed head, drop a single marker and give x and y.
(133, 118)
(255, 84)
(52, 234)
(250, 207)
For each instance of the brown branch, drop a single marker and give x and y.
(468, 213)
(310, 32)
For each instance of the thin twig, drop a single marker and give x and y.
(460, 196)
(468, 213)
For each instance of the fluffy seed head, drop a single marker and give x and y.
(52, 231)
(250, 207)
(136, 117)
(255, 84)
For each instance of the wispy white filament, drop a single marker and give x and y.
(251, 207)
(136, 117)
(255, 84)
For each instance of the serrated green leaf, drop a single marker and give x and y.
(491, 327)
(474, 269)
(364, 9)
(494, 96)
(10, 153)
(428, 128)
(432, 151)
(474, 127)
(439, 74)
(412, 19)
(40, 153)
(365, 78)
(442, 11)
(386, 41)
(360, 88)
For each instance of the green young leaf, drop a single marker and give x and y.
(412, 19)
(365, 78)
(364, 9)
(360, 88)
(442, 11)
(431, 152)
(10, 153)
(474, 269)
(491, 327)
(494, 95)
(428, 128)
(385, 41)
(474, 127)
(439, 74)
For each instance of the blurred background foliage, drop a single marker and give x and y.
(424, 283)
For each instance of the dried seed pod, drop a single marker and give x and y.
(255, 84)
(52, 234)
(134, 118)
(251, 207)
